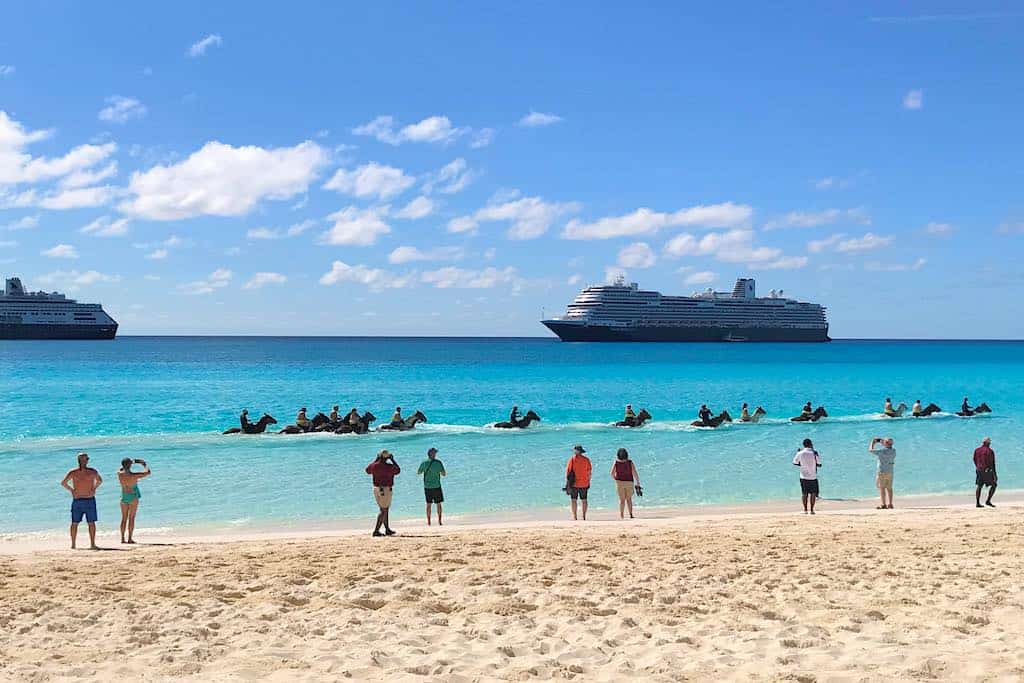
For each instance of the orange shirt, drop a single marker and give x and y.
(580, 465)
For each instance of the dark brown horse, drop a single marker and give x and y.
(523, 422)
(407, 423)
(258, 428)
(714, 422)
(818, 413)
(638, 421)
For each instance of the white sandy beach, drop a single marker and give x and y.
(925, 593)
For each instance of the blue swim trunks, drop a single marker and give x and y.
(83, 507)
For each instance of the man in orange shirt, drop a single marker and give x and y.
(577, 479)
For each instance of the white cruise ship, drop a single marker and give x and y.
(49, 315)
(624, 312)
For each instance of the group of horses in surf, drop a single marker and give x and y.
(363, 424)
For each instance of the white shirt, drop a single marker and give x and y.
(809, 462)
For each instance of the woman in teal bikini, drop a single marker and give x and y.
(130, 495)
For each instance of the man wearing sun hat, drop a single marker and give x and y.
(577, 479)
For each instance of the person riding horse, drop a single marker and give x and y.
(965, 407)
(396, 419)
(243, 419)
(917, 409)
(514, 416)
(807, 410)
(301, 421)
(704, 415)
(744, 413)
(333, 417)
(630, 417)
(353, 417)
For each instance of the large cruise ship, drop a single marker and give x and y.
(624, 312)
(49, 315)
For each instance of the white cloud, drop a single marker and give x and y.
(452, 178)
(157, 255)
(370, 180)
(818, 246)
(121, 109)
(374, 278)
(71, 278)
(356, 227)
(644, 221)
(451, 277)
(199, 48)
(536, 119)
(462, 224)
(79, 198)
(895, 267)
(262, 279)
(733, 246)
(914, 99)
(293, 230)
(218, 279)
(704, 277)
(407, 254)
(939, 229)
(18, 166)
(574, 279)
(784, 263)
(23, 223)
(437, 129)
(866, 243)
(421, 207)
(89, 176)
(482, 138)
(6, 70)
(814, 219)
(104, 226)
(61, 251)
(221, 180)
(530, 216)
(637, 255)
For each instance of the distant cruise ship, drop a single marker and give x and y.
(624, 312)
(42, 315)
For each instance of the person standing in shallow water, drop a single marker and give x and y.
(130, 495)
(985, 471)
(886, 456)
(383, 470)
(627, 480)
(577, 479)
(808, 460)
(432, 470)
(82, 483)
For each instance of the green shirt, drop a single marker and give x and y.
(431, 471)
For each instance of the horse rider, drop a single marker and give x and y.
(333, 417)
(244, 419)
(807, 411)
(396, 419)
(744, 414)
(704, 414)
(965, 407)
(917, 409)
(301, 421)
(630, 416)
(888, 409)
(353, 419)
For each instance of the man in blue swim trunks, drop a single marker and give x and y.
(82, 483)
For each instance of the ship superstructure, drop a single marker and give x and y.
(50, 315)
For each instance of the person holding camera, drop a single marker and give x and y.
(808, 460)
(383, 470)
(130, 495)
(626, 481)
(577, 479)
(883, 478)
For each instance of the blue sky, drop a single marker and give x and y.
(425, 169)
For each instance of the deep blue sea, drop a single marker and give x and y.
(166, 399)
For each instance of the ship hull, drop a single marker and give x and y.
(29, 331)
(571, 332)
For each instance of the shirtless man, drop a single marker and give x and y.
(82, 483)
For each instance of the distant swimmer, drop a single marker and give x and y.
(704, 415)
(301, 421)
(396, 419)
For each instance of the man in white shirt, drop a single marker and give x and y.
(808, 460)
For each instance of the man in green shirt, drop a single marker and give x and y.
(432, 470)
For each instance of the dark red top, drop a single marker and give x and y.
(383, 473)
(984, 458)
(623, 470)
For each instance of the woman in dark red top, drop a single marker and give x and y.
(383, 470)
(626, 481)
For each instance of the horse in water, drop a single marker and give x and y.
(897, 411)
(977, 410)
(714, 422)
(929, 409)
(818, 413)
(638, 421)
(407, 424)
(258, 428)
(522, 423)
(756, 416)
(362, 428)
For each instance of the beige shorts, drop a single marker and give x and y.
(624, 488)
(883, 480)
(382, 494)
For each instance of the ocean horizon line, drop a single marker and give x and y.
(553, 339)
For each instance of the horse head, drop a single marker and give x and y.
(368, 417)
(982, 408)
(532, 416)
(643, 416)
(725, 416)
(417, 417)
(760, 411)
(820, 411)
(267, 419)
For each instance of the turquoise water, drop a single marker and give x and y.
(167, 399)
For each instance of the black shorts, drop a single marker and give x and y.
(808, 486)
(434, 495)
(577, 492)
(985, 478)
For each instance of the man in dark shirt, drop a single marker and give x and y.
(985, 472)
(383, 470)
(514, 416)
(705, 415)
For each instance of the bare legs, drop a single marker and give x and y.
(382, 520)
(812, 498)
(92, 535)
(977, 498)
(128, 511)
(625, 501)
(439, 523)
(584, 506)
